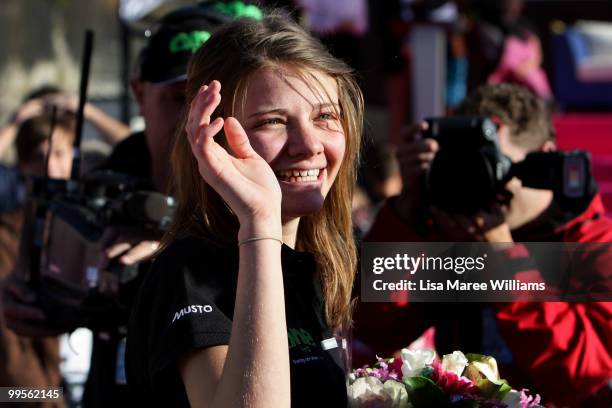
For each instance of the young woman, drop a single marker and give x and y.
(241, 307)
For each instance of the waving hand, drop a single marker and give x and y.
(244, 180)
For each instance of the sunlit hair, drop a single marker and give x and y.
(231, 55)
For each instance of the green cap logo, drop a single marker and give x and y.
(188, 41)
(238, 9)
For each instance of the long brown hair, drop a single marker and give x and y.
(231, 55)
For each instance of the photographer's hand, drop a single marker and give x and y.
(21, 313)
(415, 155)
(128, 245)
(484, 226)
(131, 251)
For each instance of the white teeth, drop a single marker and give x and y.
(296, 176)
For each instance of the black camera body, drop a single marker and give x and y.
(65, 228)
(469, 171)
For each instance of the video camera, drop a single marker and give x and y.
(63, 239)
(64, 235)
(469, 171)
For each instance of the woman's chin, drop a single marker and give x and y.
(300, 208)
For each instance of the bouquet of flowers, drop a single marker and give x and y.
(418, 379)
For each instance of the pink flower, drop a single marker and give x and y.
(520, 399)
(395, 366)
(451, 383)
(384, 370)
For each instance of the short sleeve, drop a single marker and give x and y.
(186, 303)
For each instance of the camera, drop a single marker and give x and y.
(469, 171)
(64, 236)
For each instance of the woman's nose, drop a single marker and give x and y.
(304, 140)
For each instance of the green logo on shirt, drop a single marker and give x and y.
(300, 338)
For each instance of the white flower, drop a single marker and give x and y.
(370, 392)
(455, 362)
(487, 366)
(399, 394)
(415, 360)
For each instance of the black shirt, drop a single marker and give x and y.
(187, 302)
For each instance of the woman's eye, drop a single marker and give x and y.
(326, 116)
(268, 122)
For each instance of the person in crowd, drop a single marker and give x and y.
(560, 350)
(158, 85)
(241, 306)
(110, 129)
(508, 50)
(34, 104)
(32, 361)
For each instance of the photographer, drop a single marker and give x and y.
(558, 349)
(36, 103)
(31, 361)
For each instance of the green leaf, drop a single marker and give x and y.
(503, 390)
(424, 393)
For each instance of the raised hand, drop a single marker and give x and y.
(244, 180)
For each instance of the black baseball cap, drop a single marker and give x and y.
(180, 33)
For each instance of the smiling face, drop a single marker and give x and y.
(292, 120)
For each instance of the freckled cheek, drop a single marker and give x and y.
(268, 149)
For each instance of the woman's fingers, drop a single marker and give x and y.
(211, 99)
(194, 108)
(207, 134)
(237, 139)
(201, 109)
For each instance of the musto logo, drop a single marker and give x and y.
(192, 309)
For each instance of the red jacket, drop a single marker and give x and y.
(561, 350)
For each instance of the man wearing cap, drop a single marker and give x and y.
(159, 89)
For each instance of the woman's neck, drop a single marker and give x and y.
(290, 228)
